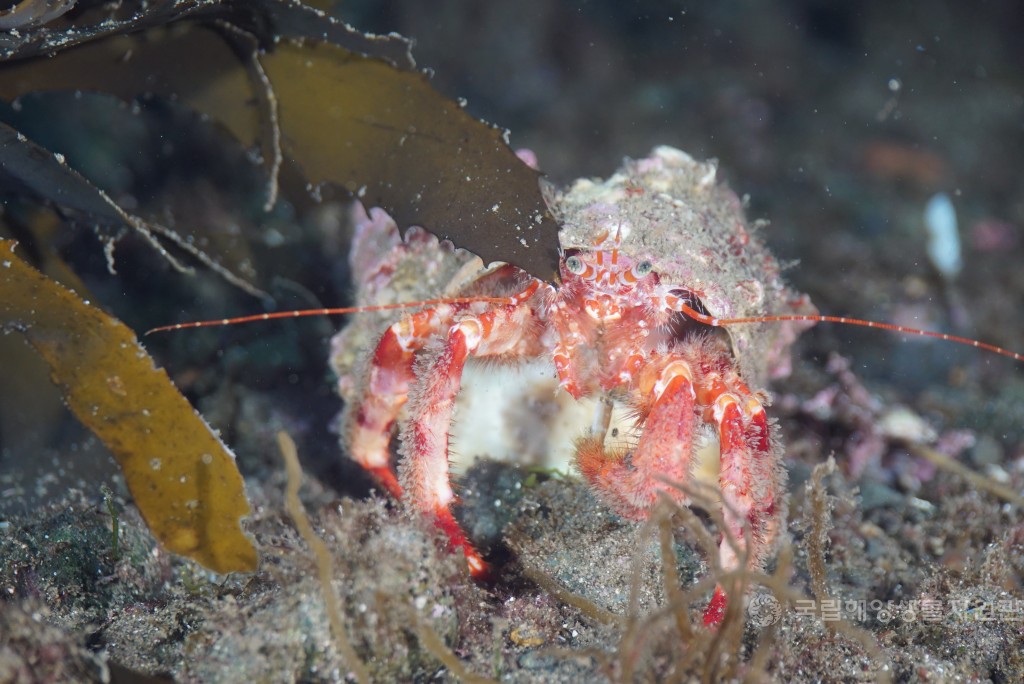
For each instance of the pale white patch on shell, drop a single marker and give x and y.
(518, 414)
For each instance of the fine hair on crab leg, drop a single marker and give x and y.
(504, 331)
(674, 392)
(629, 480)
(388, 379)
(751, 479)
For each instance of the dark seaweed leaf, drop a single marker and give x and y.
(28, 169)
(355, 121)
(265, 19)
(27, 14)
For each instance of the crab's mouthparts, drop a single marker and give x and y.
(603, 308)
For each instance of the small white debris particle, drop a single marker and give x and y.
(943, 236)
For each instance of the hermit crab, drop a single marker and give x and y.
(647, 257)
(667, 306)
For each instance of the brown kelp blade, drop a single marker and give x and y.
(182, 477)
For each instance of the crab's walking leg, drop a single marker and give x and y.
(387, 390)
(504, 331)
(750, 478)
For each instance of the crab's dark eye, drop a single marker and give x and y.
(575, 265)
(643, 268)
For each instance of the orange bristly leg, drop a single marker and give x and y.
(501, 331)
(750, 478)
(387, 390)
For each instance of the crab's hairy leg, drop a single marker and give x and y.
(506, 331)
(389, 377)
(631, 482)
(750, 478)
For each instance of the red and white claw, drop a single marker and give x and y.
(750, 478)
(681, 391)
(630, 482)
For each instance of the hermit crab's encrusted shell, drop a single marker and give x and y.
(670, 210)
(391, 270)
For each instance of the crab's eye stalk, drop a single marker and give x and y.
(638, 271)
(575, 265)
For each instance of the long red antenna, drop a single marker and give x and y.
(717, 322)
(685, 308)
(302, 313)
